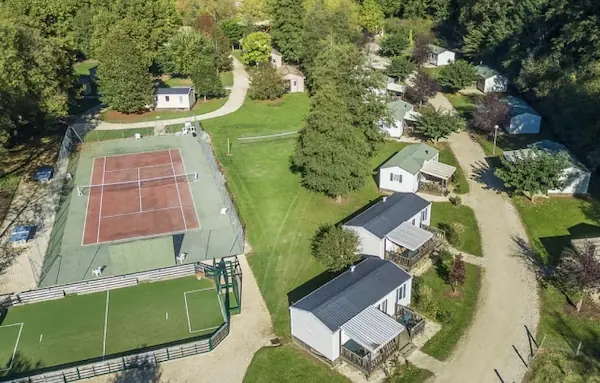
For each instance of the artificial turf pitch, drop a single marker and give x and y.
(86, 326)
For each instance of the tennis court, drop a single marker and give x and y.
(138, 195)
(102, 324)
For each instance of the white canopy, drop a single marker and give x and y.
(372, 329)
(409, 236)
(438, 170)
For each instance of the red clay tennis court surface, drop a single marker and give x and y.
(138, 195)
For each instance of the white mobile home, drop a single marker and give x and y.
(293, 77)
(182, 98)
(490, 80)
(439, 56)
(400, 111)
(523, 118)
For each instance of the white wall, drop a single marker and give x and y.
(276, 60)
(396, 129)
(526, 123)
(495, 84)
(310, 330)
(409, 184)
(391, 298)
(445, 58)
(174, 101)
(369, 243)
(578, 182)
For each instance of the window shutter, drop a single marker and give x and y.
(392, 177)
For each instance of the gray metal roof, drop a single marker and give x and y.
(547, 146)
(342, 298)
(518, 106)
(372, 329)
(177, 90)
(389, 213)
(409, 236)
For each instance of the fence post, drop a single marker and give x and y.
(167, 350)
(578, 349)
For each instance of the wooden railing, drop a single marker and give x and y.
(437, 233)
(409, 259)
(367, 364)
(415, 325)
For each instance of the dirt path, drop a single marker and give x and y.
(508, 302)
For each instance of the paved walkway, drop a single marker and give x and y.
(250, 331)
(234, 102)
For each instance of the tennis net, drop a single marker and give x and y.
(138, 184)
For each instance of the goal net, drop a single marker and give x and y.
(138, 184)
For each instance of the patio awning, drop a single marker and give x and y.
(409, 236)
(412, 116)
(372, 329)
(398, 88)
(438, 170)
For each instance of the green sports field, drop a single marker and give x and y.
(102, 324)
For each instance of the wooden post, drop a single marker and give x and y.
(578, 348)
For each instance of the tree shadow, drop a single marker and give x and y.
(20, 363)
(144, 371)
(311, 285)
(483, 172)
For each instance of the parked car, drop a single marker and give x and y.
(43, 174)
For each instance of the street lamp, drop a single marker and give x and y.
(495, 137)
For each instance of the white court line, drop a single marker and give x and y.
(154, 235)
(177, 186)
(189, 188)
(187, 311)
(138, 167)
(138, 212)
(88, 202)
(12, 358)
(105, 325)
(139, 188)
(101, 196)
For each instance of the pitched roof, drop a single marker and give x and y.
(342, 298)
(486, 72)
(289, 70)
(176, 90)
(411, 158)
(389, 213)
(399, 108)
(436, 49)
(518, 106)
(547, 146)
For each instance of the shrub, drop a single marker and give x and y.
(455, 200)
(267, 83)
(426, 302)
(335, 247)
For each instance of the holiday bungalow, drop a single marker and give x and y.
(293, 77)
(182, 98)
(490, 80)
(523, 118)
(439, 56)
(400, 111)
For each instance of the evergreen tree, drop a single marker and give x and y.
(331, 153)
(256, 48)
(287, 20)
(205, 77)
(335, 247)
(457, 75)
(222, 48)
(123, 78)
(267, 83)
(234, 30)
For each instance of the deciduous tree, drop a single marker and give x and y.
(436, 123)
(457, 75)
(256, 48)
(580, 269)
(371, 16)
(222, 48)
(204, 75)
(457, 274)
(533, 171)
(287, 20)
(267, 83)
(421, 50)
(490, 112)
(422, 88)
(234, 30)
(123, 78)
(400, 67)
(394, 44)
(335, 247)
(181, 52)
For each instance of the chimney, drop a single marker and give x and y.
(384, 199)
(352, 268)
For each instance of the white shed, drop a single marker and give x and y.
(354, 310)
(276, 58)
(490, 80)
(439, 56)
(174, 98)
(523, 118)
(294, 77)
(577, 175)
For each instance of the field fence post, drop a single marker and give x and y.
(168, 356)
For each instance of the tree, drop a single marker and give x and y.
(252, 11)
(234, 30)
(457, 274)
(82, 31)
(222, 48)
(205, 77)
(371, 16)
(180, 54)
(189, 10)
(533, 171)
(267, 83)
(437, 123)
(580, 269)
(256, 48)
(421, 50)
(490, 112)
(335, 247)
(123, 78)
(394, 44)
(400, 67)
(287, 20)
(423, 87)
(331, 153)
(457, 75)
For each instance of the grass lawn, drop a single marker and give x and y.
(464, 104)
(227, 78)
(83, 68)
(508, 142)
(458, 309)
(289, 364)
(405, 372)
(237, 53)
(73, 328)
(461, 186)
(433, 72)
(105, 135)
(551, 224)
(446, 213)
(200, 107)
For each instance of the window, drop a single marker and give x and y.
(400, 293)
(396, 177)
(167, 98)
(294, 82)
(181, 99)
(414, 222)
(424, 215)
(383, 306)
(403, 291)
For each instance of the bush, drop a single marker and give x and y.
(394, 44)
(455, 200)
(425, 301)
(335, 247)
(451, 233)
(267, 83)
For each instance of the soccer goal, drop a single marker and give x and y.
(139, 184)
